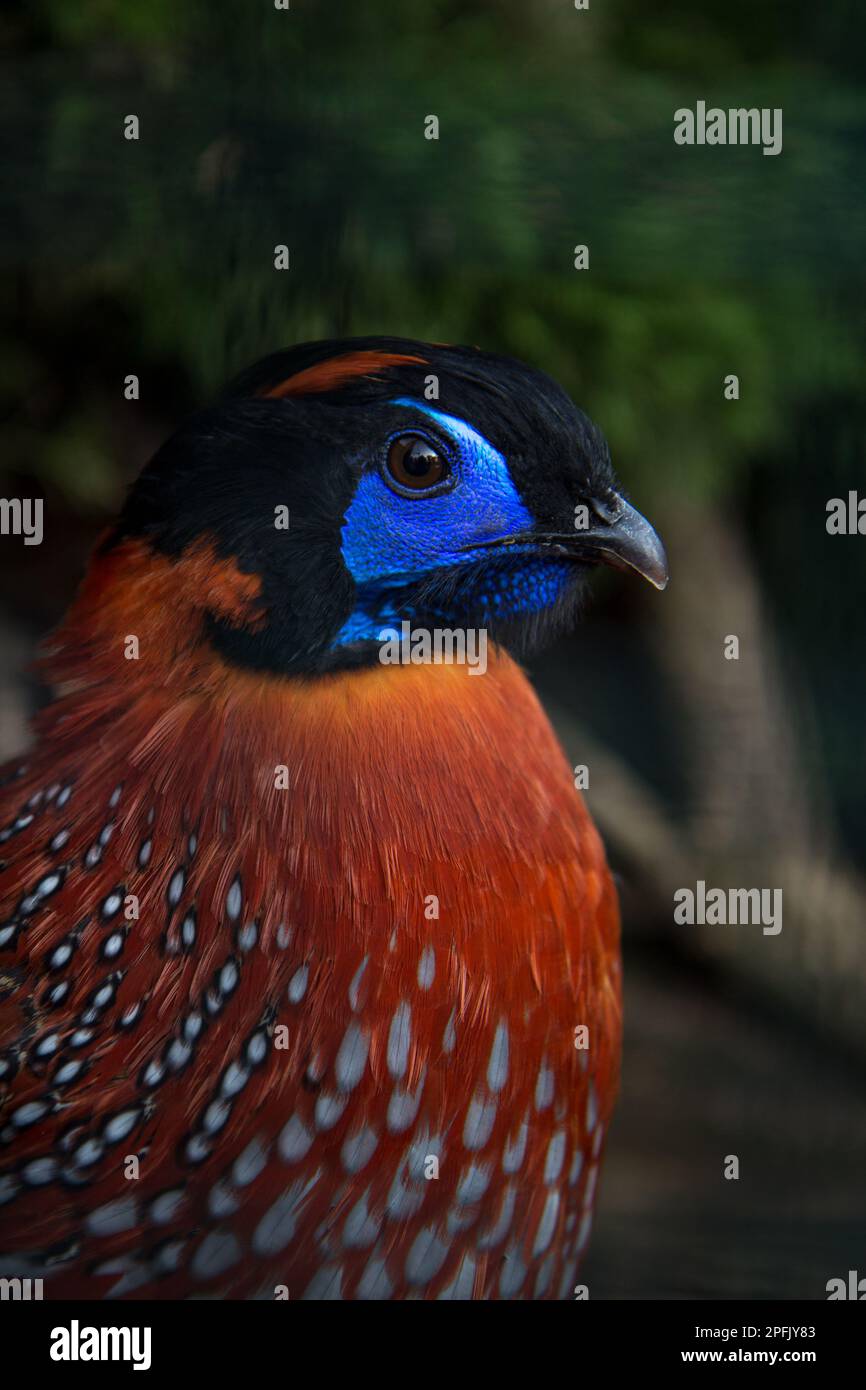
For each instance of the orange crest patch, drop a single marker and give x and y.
(336, 371)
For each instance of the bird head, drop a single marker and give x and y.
(359, 483)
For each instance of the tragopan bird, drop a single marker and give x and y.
(309, 964)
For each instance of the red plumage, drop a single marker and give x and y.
(282, 1030)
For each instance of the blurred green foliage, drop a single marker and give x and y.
(305, 127)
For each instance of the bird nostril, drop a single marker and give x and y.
(607, 509)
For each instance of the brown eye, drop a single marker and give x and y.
(414, 464)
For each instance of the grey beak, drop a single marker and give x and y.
(621, 537)
(617, 535)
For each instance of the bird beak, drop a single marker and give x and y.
(616, 534)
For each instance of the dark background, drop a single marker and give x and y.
(306, 127)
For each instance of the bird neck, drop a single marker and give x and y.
(396, 747)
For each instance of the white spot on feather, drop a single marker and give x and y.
(399, 1037)
(426, 1257)
(218, 1251)
(497, 1067)
(427, 968)
(480, 1118)
(113, 1217)
(352, 1057)
(295, 1140)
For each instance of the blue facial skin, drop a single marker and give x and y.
(389, 540)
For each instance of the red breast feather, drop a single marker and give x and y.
(334, 1022)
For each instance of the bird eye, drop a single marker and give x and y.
(414, 464)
